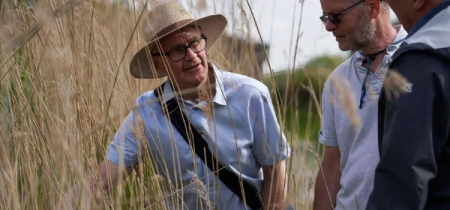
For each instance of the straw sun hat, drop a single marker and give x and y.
(163, 20)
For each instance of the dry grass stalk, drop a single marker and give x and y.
(346, 99)
(394, 84)
(65, 89)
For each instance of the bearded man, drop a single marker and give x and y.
(351, 152)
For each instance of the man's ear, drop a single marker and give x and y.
(157, 63)
(418, 4)
(375, 8)
(159, 66)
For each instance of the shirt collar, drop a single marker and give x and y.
(219, 97)
(398, 40)
(424, 20)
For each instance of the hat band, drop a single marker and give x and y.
(172, 27)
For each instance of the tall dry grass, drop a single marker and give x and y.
(65, 89)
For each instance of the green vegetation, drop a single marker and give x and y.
(299, 90)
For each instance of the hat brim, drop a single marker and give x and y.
(141, 65)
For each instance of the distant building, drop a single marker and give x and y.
(241, 55)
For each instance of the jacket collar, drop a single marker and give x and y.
(430, 15)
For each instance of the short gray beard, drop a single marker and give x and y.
(364, 36)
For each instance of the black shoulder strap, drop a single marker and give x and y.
(230, 179)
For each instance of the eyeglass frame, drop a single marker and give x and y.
(185, 49)
(335, 19)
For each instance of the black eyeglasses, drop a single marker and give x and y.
(335, 18)
(180, 52)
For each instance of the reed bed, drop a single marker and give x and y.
(65, 88)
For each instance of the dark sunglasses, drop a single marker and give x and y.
(335, 18)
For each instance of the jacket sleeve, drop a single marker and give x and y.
(407, 157)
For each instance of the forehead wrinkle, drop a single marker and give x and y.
(183, 35)
(187, 37)
(337, 7)
(333, 11)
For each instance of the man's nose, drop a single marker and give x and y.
(190, 54)
(329, 26)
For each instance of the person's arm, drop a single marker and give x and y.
(408, 150)
(121, 156)
(275, 186)
(110, 175)
(271, 150)
(328, 180)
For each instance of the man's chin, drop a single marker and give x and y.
(344, 48)
(197, 80)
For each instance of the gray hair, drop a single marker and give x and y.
(384, 6)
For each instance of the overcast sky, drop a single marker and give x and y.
(275, 19)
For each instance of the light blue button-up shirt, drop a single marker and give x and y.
(242, 132)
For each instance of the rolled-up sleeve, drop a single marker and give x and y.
(125, 149)
(327, 134)
(270, 145)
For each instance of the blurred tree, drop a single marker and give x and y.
(296, 89)
(317, 69)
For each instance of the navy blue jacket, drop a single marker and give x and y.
(414, 128)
